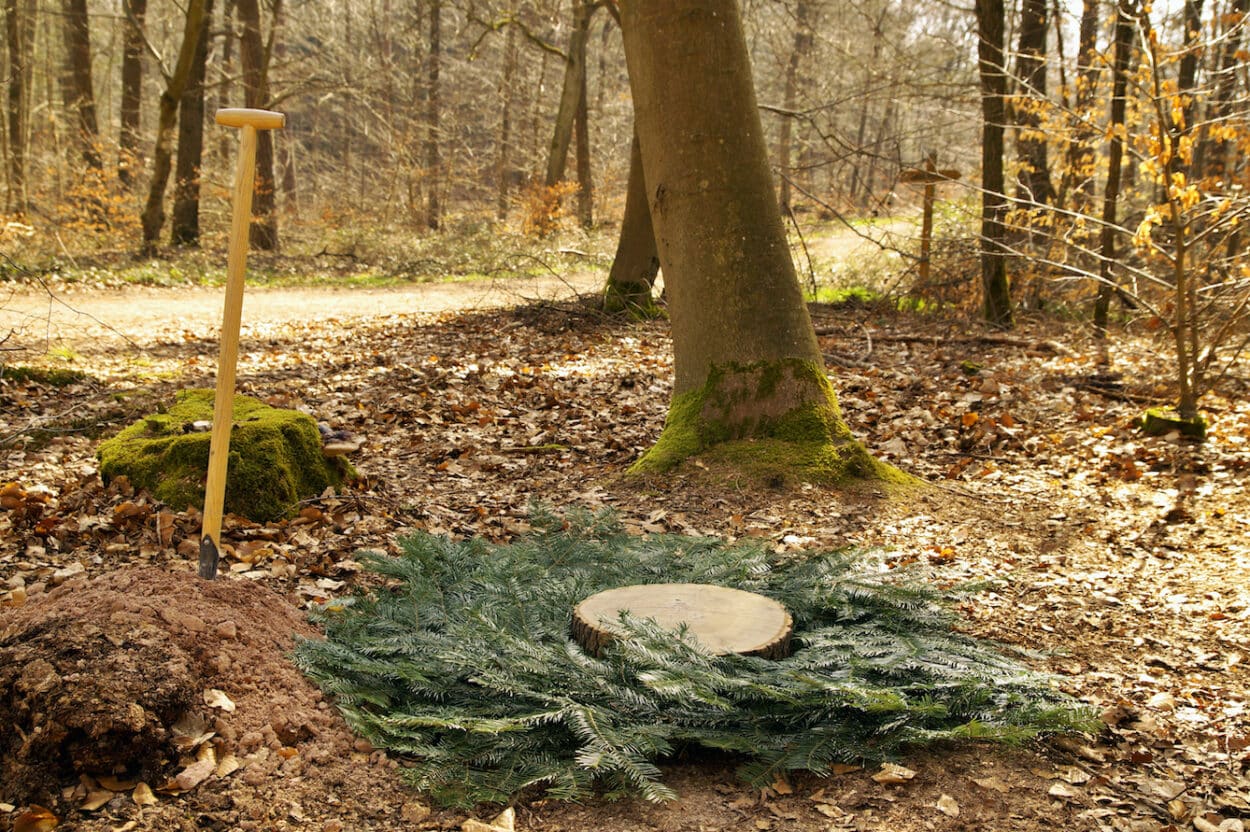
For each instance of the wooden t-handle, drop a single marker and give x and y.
(245, 117)
(250, 121)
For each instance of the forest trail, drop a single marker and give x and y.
(86, 319)
(104, 319)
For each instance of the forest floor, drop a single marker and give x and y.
(1121, 558)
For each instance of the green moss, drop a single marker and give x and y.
(55, 377)
(1158, 421)
(275, 457)
(771, 419)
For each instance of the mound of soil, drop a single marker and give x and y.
(140, 676)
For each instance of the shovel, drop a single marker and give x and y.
(223, 399)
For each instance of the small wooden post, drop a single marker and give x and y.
(929, 176)
(926, 223)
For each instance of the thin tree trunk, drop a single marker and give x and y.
(129, 155)
(225, 74)
(503, 164)
(78, 86)
(20, 38)
(993, 200)
(802, 44)
(636, 263)
(861, 190)
(1078, 175)
(574, 79)
(1033, 185)
(433, 154)
(585, 180)
(255, 57)
(1122, 41)
(185, 224)
(1211, 158)
(153, 217)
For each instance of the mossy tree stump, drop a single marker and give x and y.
(275, 460)
(722, 619)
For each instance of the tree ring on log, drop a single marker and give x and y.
(722, 619)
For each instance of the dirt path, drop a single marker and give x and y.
(81, 320)
(93, 320)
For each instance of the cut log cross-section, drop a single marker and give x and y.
(722, 619)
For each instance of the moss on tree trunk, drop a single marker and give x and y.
(746, 415)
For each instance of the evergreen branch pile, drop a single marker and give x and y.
(464, 663)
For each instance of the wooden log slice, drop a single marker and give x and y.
(723, 620)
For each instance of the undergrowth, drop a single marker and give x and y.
(464, 665)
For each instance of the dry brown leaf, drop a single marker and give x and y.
(35, 819)
(143, 796)
(115, 784)
(215, 698)
(992, 784)
(891, 773)
(948, 806)
(227, 765)
(782, 786)
(1062, 789)
(95, 799)
(505, 821)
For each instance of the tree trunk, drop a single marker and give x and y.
(1078, 174)
(1212, 156)
(861, 190)
(78, 87)
(802, 44)
(129, 155)
(636, 263)
(20, 39)
(585, 180)
(993, 200)
(746, 362)
(574, 80)
(153, 217)
(433, 158)
(185, 225)
(503, 164)
(225, 74)
(1122, 41)
(1033, 186)
(255, 57)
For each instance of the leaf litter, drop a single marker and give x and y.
(1119, 557)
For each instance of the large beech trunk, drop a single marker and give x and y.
(746, 361)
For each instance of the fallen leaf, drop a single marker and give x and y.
(992, 784)
(891, 773)
(35, 819)
(1062, 789)
(780, 786)
(114, 784)
(948, 806)
(215, 698)
(191, 731)
(143, 796)
(505, 821)
(227, 765)
(95, 799)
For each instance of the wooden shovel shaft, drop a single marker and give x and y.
(223, 398)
